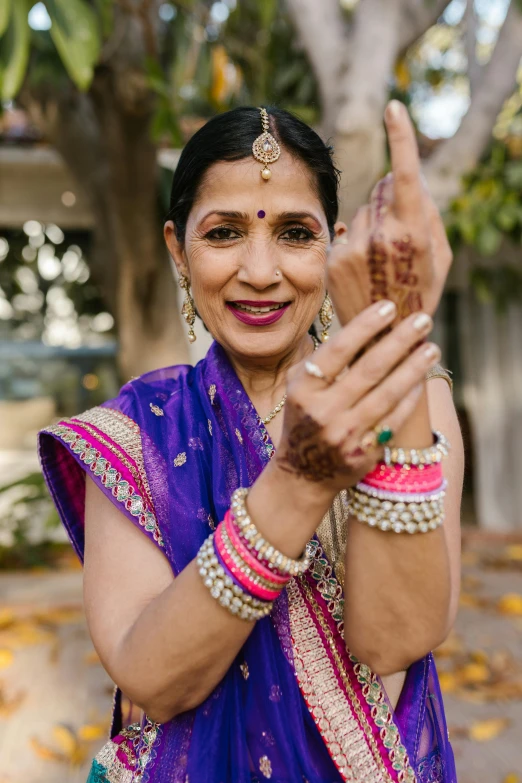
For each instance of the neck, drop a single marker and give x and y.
(265, 380)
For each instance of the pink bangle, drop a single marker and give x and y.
(248, 584)
(405, 479)
(250, 559)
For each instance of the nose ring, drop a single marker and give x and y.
(277, 273)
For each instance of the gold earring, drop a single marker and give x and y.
(326, 314)
(188, 311)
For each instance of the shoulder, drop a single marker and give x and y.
(114, 444)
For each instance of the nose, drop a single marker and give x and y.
(259, 265)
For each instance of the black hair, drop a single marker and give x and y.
(229, 137)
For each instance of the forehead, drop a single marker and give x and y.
(238, 185)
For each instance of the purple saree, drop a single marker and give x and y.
(294, 706)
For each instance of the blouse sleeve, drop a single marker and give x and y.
(106, 444)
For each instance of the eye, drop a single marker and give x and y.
(297, 234)
(222, 234)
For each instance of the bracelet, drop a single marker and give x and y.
(413, 514)
(420, 457)
(244, 555)
(223, 589)
(261, 549)
(405, 478)
(247, 579)
(437, 371)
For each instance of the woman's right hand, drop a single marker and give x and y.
(327, 419)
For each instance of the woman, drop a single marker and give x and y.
(230, 636)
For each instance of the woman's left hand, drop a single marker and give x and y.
(396, 247)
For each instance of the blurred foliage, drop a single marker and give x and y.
(488, 217)
(34, 269)
(27, 522)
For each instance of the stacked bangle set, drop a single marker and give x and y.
(245, 574)
(404, 493)
(242, 570)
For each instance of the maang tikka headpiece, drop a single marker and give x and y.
(265, 148)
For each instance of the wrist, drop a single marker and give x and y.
(287, 509)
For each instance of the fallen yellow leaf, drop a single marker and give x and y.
(66, 739)
(6, 658)
(7, 617)
(92, 731)
(510, 604)
(45, 753)
(485, 730)
(448, 682)
(514, 552)
(474, 673)
(479, 656)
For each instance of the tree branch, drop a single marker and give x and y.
(458, 155)
(323, 34)
(417, 17)
(471, 24)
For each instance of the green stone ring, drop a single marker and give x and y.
(384, 435)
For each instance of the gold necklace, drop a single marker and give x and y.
(280, 405)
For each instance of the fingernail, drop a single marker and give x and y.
(422, 322)
(386, 308)
(394, 109)
(432, 351)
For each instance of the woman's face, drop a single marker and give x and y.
(255, 255)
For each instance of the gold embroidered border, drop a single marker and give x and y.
(115, 771)
(372, 689)
(328, 705)
(134, 503)
(125, 433)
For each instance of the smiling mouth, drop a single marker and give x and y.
(258, 309)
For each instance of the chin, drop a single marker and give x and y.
(261, 344)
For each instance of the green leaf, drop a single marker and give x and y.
(105, 10)
(14, 51)
(77, 38)
(489, 240)
(5, 8)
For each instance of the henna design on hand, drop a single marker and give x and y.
(308, 455)
(407, 299)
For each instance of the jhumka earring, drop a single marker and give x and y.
(326, 314)
(188, 311)
(265, 148)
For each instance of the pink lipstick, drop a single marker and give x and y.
(257, 313)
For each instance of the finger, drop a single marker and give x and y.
(408, 190)
(381, 201)
(378, 403)
(380, 360)
(334, 356)
(395, 420)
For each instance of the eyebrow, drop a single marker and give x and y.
(225, 214)
(283, 216)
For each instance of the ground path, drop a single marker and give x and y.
(55, 698)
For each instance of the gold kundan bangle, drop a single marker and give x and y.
(437, 371)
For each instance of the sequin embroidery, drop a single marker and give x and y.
(212, 392)
(239, 436)
(265, 766)
(244, 670)
(157, 411)
(180, 459)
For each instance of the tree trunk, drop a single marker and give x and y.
(104, 139)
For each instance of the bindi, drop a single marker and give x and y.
(261, 214)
